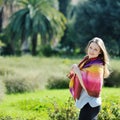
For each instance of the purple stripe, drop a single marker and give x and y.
(89, 63)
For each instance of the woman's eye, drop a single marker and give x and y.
(90, 47)
(95, 49)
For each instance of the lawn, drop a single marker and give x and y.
(30, 105)
(33, 106)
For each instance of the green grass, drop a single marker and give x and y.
(34, 105)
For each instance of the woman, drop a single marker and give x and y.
(91, 72)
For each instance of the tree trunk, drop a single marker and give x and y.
(34, 44)
(1, 18)
(119, 47)
(25, 44)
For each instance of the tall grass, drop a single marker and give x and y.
(36, 68)
(40, 69)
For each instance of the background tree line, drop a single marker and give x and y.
(62, 27)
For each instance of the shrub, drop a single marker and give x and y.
(110, 111)
(56, 82)
(5, 71)
(113, 80)
(47, 51)
(19, 84)
(64, 112)
(2, 90)
(6, 118)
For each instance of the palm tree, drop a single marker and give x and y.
(1, 15)
(36, 17)
(6, 9)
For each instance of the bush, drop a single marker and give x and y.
(64, 112)
(113, 80)
(110, 111)
(47, 51)
(2, 90)
(5, 71)
(56, 82)
(6, 118)
(16, 84)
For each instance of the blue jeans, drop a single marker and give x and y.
(89, 113)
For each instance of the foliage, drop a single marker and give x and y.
(33, 69)
(55, 82)
(44, 69)
(1, 44)
(110, 106)
(64, 112)
(91, 15)
(47, 51)
(5, 117)
(38, 105)
(113, 80)
(68, 43)
(15, 81)
(2, 90)
(110, 111)
(29, 106)
(16, 84)
(36, 17)
(63, 6)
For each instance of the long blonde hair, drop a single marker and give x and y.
(104, 54)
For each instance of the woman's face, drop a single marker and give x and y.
(93, 50)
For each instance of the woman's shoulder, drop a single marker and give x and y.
(98, 61)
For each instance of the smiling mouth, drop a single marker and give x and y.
(91, 54)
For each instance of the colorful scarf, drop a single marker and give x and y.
(92, 77)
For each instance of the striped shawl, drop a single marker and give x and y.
(92, 77)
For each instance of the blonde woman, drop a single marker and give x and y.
(91, 72)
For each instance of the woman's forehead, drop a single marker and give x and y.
(93, 44)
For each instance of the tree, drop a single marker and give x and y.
(1, 14)
(99, 18)
(68, 42)
(63, 5)
(36, 17)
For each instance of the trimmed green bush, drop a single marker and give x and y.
(19, 84)
(47, 51)
(56, 82)
(113, 80)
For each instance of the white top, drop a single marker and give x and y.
(85, 98)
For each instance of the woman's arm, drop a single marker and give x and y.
(76, 70)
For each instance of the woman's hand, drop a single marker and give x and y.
(75, 68)
(77, 71)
